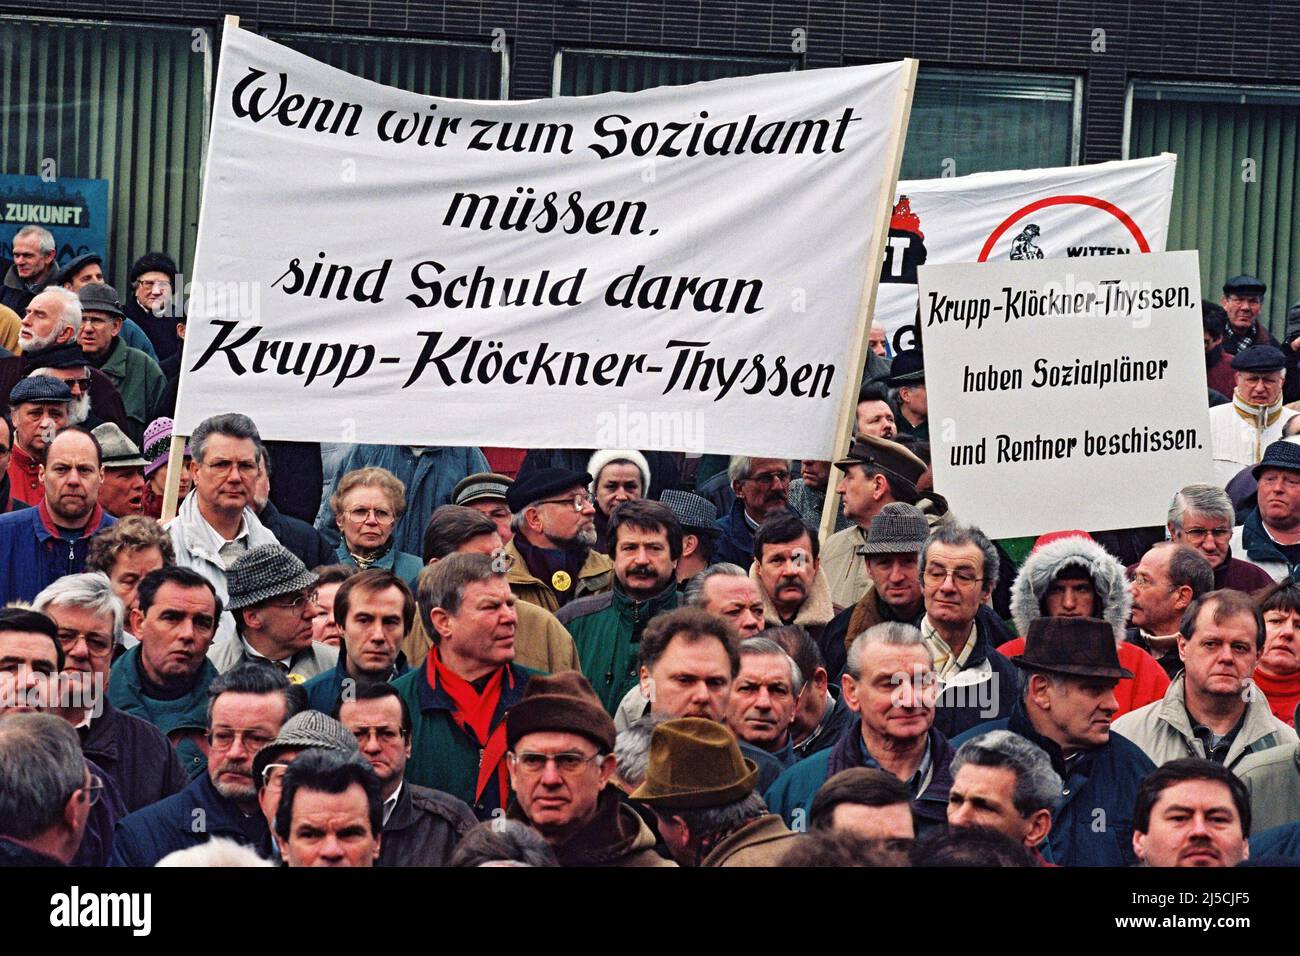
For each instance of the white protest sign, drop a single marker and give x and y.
(678, 269)
(1117, 208)
(1065, 394)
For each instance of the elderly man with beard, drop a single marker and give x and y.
(76, 375)
(645, 541)
(1191, 813)
(39, 545)
(762, 489)
(38, 409)
(794, 588)
(247, 707)
(552, 547)
(763, 697)
(1255, 418)
(53, 317)
(132, 751)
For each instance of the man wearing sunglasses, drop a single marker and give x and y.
(247, 707)
(273, 598)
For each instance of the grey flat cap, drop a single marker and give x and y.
(39, 388)
(119, 451)
(266, 571)
(304, 730)
(693, 511)
(897, 529)
(100, 297)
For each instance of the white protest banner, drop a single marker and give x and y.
(680, 269)
(1116, 208)
(1065, 394)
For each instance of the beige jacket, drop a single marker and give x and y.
(845, 569)
(595, 577)
(760, 842)
(816, 610)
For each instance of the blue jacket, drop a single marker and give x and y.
(190, 712)
(1279, 843)
(32, 558)
(324, 690)
(405, 566)
(1092, 824)
(429, 477)
(736, 543)
(188, 818)
(1259, 547)
(792, 794)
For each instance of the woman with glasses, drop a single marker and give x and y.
(367, 504)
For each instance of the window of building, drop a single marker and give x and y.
(581, 72)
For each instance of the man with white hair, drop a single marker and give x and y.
(52, 318)
(132, 751)
(34, 267)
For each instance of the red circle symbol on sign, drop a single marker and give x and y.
(1092, 201)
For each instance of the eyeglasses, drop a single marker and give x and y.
(246, 468)
(579, 501)
(94, 789)
(381, 515)
(771, 478)
(961, 577)
(269, 775)
(97, 645)
(567, 763)
(1143, 580)
(1197, 535)
(385, 735)
(296, 603)
(152, 284)
(225, 739)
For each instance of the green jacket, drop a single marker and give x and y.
(444, 757)
(178, 718)
(140, 382)
(607, 631)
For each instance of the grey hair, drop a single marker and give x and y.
(955, 535)
(70, 314)
(706, 821)
(740, 466)
(40, 768)
(894, 633)
(762, 647)
(1208, 500)
(443, 584)
(44, 238)
(502, 841)
(232, 425)
(92, 591)
(694, 596)
(1038, 786)
(632, 747)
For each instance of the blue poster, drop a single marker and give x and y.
(74, 210)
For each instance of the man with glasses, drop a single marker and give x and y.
(555, 533)
(561, 760)
(214, 524)
(762, 488)
(73, 372)
(132, 751)
(37, 750)
(1202, 517)
(273, 598)
(1164, 584)
(136, 376)
(422, 826)
(247, 707)
(1256, 416)
(305, 730)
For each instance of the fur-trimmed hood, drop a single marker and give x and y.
(1042, 567)
(816, 610)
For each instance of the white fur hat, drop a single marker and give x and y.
(606, 455)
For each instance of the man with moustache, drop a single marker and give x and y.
(789, 576)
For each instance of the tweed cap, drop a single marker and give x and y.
(305, 730)
(908, 369)
(266, 571)
(562, 702)
(885, 455)
(1282, 453)
(39, 388)
(695, 762)
(479, 487)
(695, 513)
(1076, 646)
(79, 263)
(1244, 285)
(1259, 358)
(544, 483)
(896, 529)
(119, 451)
(99, 297)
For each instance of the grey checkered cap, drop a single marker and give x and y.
(306, 729)
(692, 510)
(266, 571)
(896, 529)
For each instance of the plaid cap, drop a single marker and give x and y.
(897, 528)
(266, 571)
(1283, 453)
(693, 511)
(305, 730)
(39, 388)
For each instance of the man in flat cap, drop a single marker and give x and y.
(305, 730)
(1242, 429)
(1072, 668)
(1243, 297)
(485, 492)
(701, 789)
(877, 472)
(561, 761)
(121, 491)
(907, 379)
(698, 518)
(87, 268)
(552, 548)
(273, 598)
(38, 408)
(1269, 537)
(136, 376)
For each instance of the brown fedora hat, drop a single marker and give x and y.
(1078, 646)
(695, 763)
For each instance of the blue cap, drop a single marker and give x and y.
(1259, 358)
(1283, 453)
(39, 388)
(1244, 285)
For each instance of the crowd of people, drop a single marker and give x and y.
(381, 655)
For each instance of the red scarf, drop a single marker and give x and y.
(47, 519)
(473, 714)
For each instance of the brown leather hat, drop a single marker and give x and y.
(695, 763)
(1079, 646)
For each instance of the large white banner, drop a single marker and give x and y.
(678, 269)
(1108, 209)
(1065, 394)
